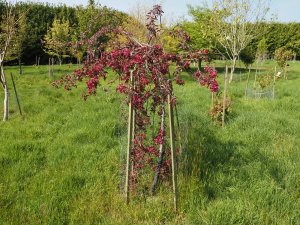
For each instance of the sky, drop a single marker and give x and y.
(284, 10)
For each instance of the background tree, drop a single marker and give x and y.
(283, 34)
(235, 24)
(136, 21)
(90, 20)
(135, 24)
(85, 21)
(262, 49)
(57, 39)
(201, 34)
(247, 56)
(16, 49)
(7, 32)
(282, 56)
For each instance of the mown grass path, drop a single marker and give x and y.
(60, 163)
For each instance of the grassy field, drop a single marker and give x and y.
(59, 164)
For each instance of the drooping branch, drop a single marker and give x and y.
(150, 67)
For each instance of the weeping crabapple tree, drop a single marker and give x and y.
(146, 80)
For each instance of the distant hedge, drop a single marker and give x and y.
(40, 16)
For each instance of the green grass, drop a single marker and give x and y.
(59, 164)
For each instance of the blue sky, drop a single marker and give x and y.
(286, 10)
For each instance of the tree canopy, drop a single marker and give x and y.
(39, 18)
(85, 21)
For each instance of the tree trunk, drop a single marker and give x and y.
(199, 64)
(232, 68)
(161, 155)
(6, 94)
(6, 101)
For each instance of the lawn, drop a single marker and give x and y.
(60, 162)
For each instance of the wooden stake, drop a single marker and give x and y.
(247, 84)
(49, 67)
(285, 72)
(20, 66)
(255, 72)
(52, 68)
(255, 78)
(19, 106)
(274, 82)
(129, 145)
(133, 127)
(173, 152)
(224, 97)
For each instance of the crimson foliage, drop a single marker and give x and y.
(148, 66)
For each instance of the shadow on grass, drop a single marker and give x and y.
(206, 155)
(269, 166)
(209, 160)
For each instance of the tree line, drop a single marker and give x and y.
(272, 35)
(39, 26)
(43, 30)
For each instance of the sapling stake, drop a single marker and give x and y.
(133, 127)
(52, 67)
(15, 89)
(255, 77)
(240, 75)
(274, 82)
(285, 71)
(173, 152)
(256, 71)
(224, 97)
(20, 66)
(129, 144)
(247, 84)
(49, 68)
